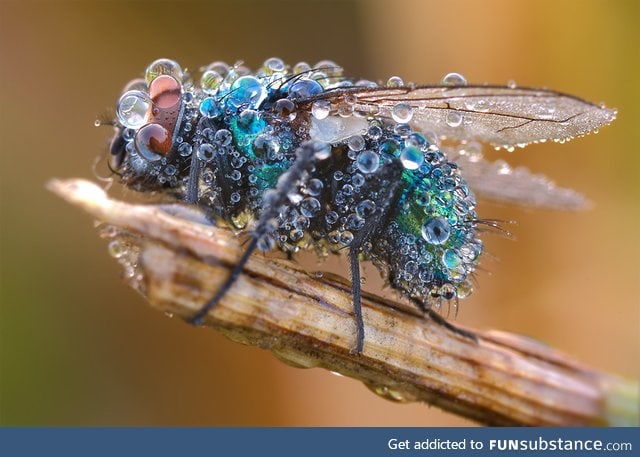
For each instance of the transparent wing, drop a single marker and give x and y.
(499, 115)
(499, 182)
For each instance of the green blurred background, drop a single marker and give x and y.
(79, 348)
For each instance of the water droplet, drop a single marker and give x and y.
(423, 199)
(163, 67)
(207, 176)
(346, 237)
(331, 217)
(388, 393)
(418, 140)
(304, 88)
(210, 108)
(309, 207)
(404, 130)
(206, 152)
(375, 132)
(454, 118)
(321, 150)
(314, 187)
(301, 67)
(357, 180)
(285, 109)
(132, 108)
(246, 92)
(224, 137)
(117, 249)
(301, 223)
(454, 79)
(273, 65)
(153, 142)
(320, 109)
(436, 230)
(464, 289)
(354, 222)
(250, 121)
(266, 146)
(389, 147)
(365, 208)
(296, 235)
(345, 110)
(395, 81)
(447, 291)
(402, 113)
(356, 143)
(451, 259)
(411, 158)
(288, 214)
(210, 81)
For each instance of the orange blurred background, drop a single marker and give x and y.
(78, 347)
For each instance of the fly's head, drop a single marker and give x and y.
(150, 118)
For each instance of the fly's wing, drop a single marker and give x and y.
(498, 115)
(499, 182)
(504, 117)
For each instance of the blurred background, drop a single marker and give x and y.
(78, 347)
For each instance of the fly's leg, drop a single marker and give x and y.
(356, 293)
(273, 199)
(386, 203)
(194, 174)
(197, 318)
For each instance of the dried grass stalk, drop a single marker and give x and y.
(306, 320)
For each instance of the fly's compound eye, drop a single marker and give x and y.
(165, 92)
(150, 109)
(153, 141)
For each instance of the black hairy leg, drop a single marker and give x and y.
(273, 199)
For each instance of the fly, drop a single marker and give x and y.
(304, 157)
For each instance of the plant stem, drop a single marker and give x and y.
(307, 320)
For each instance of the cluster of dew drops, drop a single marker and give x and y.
(223, 116)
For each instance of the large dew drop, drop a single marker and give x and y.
(132, 108)
(246, 92)
(402, 113)
(210, 81)
(454, 119)
(163, 67)
(454, 79)
(367, 162)
(436, 230)
(411, 158)
(321, 109)
(304, 88)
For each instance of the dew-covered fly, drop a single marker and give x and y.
(303, 157)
